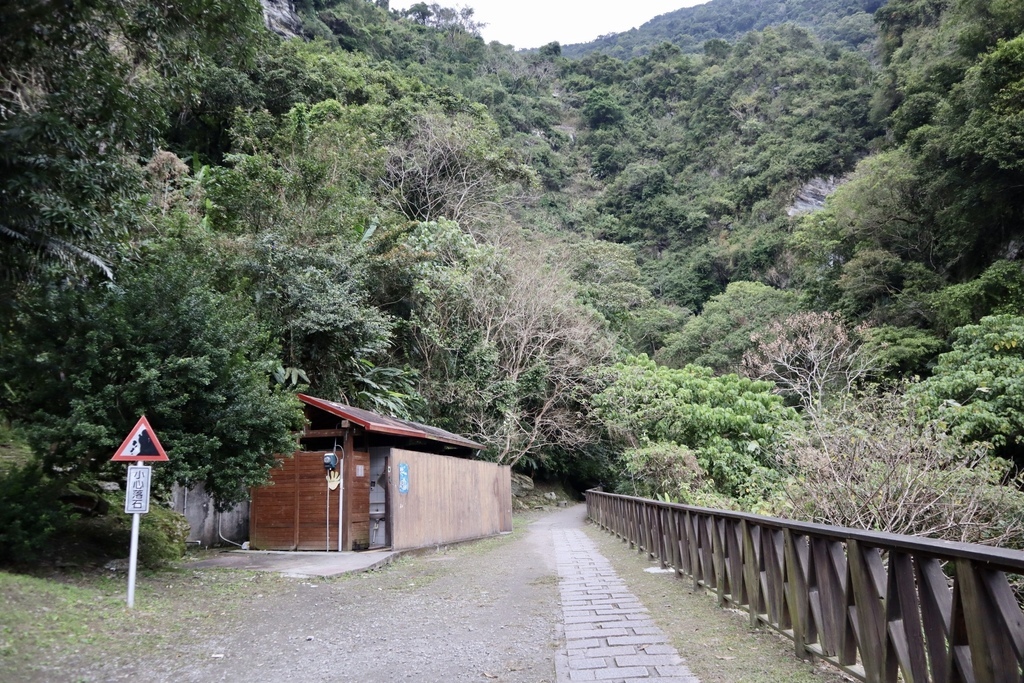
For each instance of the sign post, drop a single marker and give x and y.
(136, 503)
(140, 445)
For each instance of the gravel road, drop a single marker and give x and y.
(483, 611)
(486, 611)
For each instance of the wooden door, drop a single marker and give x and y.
(272, 513)
(357, 501)
(317, 505)
(292, 513)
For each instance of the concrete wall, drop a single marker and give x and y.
(206, 522)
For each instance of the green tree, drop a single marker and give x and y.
(602, 108)
(83, 91)
(81, 365)
(420, 13)
(300, 199)
(608, 279)
(977, 388)
(940, 204)
(902, 351)
(998, 290)
(317, 301)
(872, 253)
(721, 334)
(733, 425)
(550, 50)
(700, 167)
(726, 21)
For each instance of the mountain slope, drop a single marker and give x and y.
(844, 21)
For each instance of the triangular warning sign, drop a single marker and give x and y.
(141, 444)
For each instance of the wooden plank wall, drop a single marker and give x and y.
(449, 500)
(272, 511)
(357, 501)
(291, 513)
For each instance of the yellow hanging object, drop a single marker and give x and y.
(333, 480)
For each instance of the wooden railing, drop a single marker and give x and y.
(881, 607)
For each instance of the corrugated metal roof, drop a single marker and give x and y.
(382, 424)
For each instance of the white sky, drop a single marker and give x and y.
(532, 23)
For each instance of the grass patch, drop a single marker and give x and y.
(718, 644)
(49, 620)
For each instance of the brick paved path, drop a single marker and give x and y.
(608, 633)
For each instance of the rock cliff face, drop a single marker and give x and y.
(811, 196)
(281, 18)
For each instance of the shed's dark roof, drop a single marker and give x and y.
(381, 424)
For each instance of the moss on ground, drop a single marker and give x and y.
(95, 540)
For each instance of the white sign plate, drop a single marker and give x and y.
(136, 499)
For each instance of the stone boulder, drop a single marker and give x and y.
(521, 485)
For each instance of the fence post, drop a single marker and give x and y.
(798, 598)
(751, 573)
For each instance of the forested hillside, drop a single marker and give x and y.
(615, 271)
(847, 22)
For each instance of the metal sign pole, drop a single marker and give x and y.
(136, 503)
(133, 559)
(341, 501)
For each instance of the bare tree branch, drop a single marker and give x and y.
(810, 355)
(873, 465)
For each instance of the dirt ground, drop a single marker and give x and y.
(478, 613)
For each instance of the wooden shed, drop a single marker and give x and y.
(400, 485)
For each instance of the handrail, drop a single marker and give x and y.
(876, 605)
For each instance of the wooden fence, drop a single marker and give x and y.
(881, 607)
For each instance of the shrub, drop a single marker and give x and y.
(36, 526)
(30, 513)
(732, 425)
(875, 465)
(721, 334)
(162, 534)
(977, 389)
(666, 471)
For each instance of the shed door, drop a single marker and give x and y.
(357, 501)
(272, 514)
(317, 505)
(292, 513)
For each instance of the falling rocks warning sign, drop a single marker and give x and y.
(141, 444)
